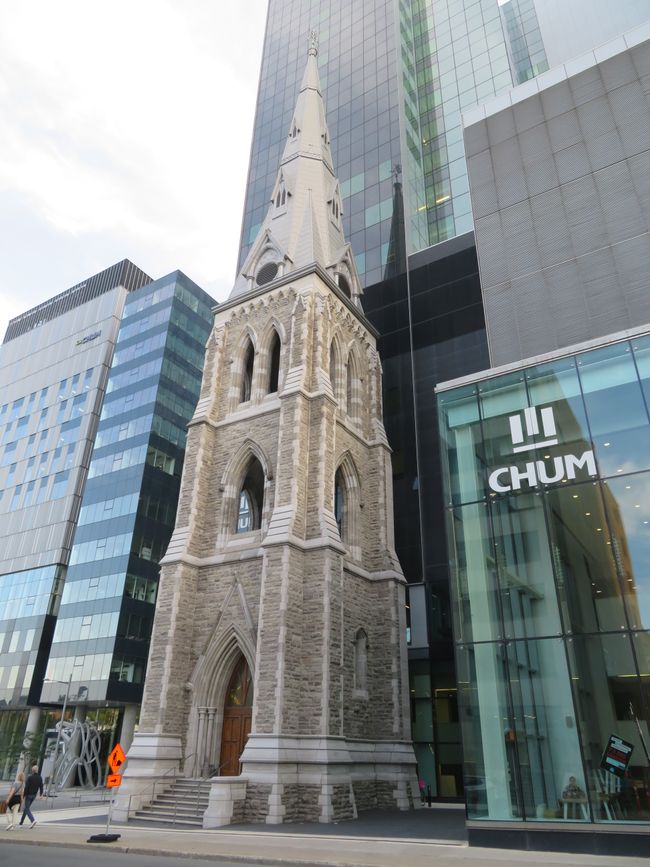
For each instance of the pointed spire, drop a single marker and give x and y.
(303, 226)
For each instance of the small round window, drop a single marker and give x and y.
(267, 273)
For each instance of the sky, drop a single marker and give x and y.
(125, 133)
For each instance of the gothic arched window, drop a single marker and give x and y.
(251, 499)
(347, 506)
(274, 362)
(247, 374)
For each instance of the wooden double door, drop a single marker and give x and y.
(237, 716)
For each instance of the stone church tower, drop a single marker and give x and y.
(278, 659)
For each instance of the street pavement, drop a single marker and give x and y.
(68, 827)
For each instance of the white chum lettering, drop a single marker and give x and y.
(534, 472)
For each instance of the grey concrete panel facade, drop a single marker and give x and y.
(559, 175)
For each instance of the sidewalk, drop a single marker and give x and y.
(71, 827)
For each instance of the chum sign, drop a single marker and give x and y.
(524, 427)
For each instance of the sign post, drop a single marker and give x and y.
(115, 761)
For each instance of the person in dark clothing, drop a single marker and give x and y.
(33, 787)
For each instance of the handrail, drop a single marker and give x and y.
(214, 771)
(156, 782)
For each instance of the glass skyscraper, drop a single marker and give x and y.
(54, 363)
(98, 385)
(129, 505)
(397, 76)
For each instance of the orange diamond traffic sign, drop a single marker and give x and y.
(113, 780)
(116, 759)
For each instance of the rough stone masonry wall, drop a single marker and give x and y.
(320, 662)
(255, 807)
(214, 585)
(367, 606)
(278, 678)
(164, 701)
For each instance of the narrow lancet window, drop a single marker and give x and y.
(339, 503)
(334, 368)
(274, 363)
(247, 374)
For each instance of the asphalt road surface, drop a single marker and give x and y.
(58, 856)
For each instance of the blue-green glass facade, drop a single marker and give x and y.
(129, 505)
(54, 361)
(547, 487)
(396, 76)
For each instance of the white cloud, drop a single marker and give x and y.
(126, 132)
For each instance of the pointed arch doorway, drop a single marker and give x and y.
(237, 716)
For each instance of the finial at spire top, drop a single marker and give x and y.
(313, 42)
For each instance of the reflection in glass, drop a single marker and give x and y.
(617, 413)
(548, 749)
(462, 436)
(609, 702)
(525, 568)
(240, 687)
(476, 616)
(628, 511)
(557, 385)
(589, 590)
(488, 736)
(500, 398)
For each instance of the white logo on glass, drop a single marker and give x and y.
(523, 427)
(532, 422)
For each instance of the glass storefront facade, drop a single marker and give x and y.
(547, 487)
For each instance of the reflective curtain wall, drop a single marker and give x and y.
(547, 485)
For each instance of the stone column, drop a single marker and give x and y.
(200, 740)
(209, 749)
(128, 726)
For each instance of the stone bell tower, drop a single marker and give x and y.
(278, 658)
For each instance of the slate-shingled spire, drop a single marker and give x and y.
(303, 227)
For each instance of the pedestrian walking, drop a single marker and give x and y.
(33, 787)
(14, 800)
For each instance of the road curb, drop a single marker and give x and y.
(195, 856)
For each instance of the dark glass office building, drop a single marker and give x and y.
(129, 503)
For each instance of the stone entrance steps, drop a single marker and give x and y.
(183, 803)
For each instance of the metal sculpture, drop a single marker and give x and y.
(81, 744)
